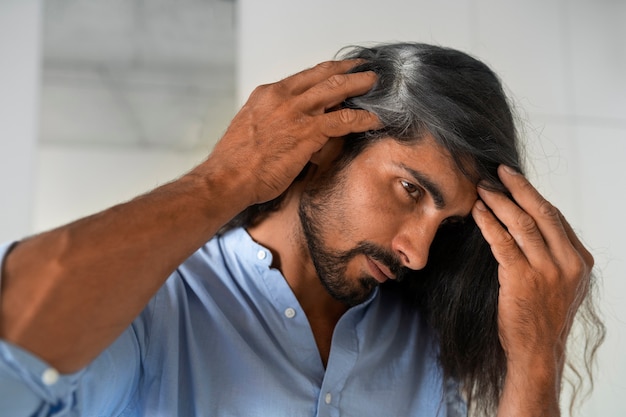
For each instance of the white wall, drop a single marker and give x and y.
(77, 181)
(564, 61)
(19, 75)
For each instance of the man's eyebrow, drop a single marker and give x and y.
(432, 188)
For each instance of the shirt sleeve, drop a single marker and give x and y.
(30, 387)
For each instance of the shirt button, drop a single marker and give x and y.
(261, 255)
(328, 398)
(290, 313)
(50, 376)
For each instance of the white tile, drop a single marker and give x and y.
(84, 112)
(190, 32)
(523, 43)
(158, 73)
(180, 121)
(88, 30)
(119, 106)
(598, 58)
(178, 32)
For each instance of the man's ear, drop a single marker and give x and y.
(329, 152)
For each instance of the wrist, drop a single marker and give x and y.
(531, 388)
(223, 194)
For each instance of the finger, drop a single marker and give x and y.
(334, 90)
(546, 216)
(581, 264)
(587, 256)
(345, 121)
(303, 80)
(519, 224)
(503, 245)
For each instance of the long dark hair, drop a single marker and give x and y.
(460, 102)
(425, 89)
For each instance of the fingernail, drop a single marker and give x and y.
(480, 205)
(510, 170)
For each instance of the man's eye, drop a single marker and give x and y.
(453, 221)
(413, 190)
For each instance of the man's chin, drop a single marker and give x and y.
(366, 285)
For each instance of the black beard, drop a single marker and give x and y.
(331, 265)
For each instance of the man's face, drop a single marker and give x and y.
(376, 218)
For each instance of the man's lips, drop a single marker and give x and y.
(379, 271)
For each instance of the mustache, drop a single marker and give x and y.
(379, 254)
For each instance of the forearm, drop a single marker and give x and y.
(68, 293)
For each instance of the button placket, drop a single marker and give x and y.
(343, 356)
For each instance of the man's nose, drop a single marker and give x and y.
(413, 240)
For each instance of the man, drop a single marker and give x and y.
(347, 177)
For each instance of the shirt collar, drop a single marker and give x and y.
(247, 250)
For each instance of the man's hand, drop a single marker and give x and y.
(283, 124)
(544, 273)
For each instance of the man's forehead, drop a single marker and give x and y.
(415, 152)
(464, 165)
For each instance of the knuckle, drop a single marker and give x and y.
(332, 123)
(579, 277)
(262, 88)
(347, 116)
(547, 209)
(302, 124)
(259, 90)
(587, 258)
(509, 255)
(279, 89)
(506, 240)
(576, 267)
(336, 81)
(526, 223)
(526, 186)
(325, 66)
(264, 93)
(584, 285)
(551, 273)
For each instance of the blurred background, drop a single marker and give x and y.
(102, 100)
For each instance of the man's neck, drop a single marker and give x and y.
(281, 232)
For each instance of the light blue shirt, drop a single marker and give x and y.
(225, 336)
